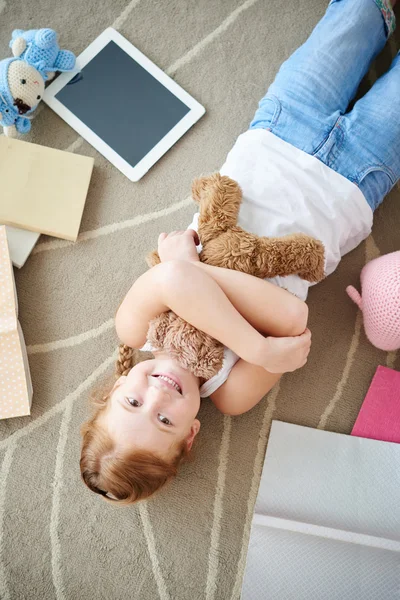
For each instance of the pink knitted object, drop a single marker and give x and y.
(380, 301)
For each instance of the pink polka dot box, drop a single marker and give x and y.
(15, 380)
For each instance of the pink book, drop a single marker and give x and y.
(379, 417)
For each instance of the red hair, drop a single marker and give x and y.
(122, 477)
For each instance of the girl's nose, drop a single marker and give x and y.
(156, 393)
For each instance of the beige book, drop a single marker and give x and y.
(42, 189)
(15, 379)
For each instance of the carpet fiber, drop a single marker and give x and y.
(58, 540)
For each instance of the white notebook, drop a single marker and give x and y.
(326, 523)
(20, 244)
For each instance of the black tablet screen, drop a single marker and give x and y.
(122, 103)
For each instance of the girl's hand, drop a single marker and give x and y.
(178, 245)
(287, 354)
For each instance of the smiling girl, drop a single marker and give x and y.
(307, 164)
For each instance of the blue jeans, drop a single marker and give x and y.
(306, 104)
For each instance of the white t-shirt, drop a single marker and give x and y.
(288, 191)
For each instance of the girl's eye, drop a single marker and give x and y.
(164, 420)
(133, 402)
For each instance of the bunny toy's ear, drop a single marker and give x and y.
(45, 38)
(18, 46)
(354, 295)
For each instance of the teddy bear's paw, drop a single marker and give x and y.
(314, 260)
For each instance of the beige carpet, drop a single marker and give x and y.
(58, 541)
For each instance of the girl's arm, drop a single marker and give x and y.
(268, 308)
(191, 293)
(271, 310)
(198, 299)
(246, 385)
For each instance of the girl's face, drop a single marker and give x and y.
(154, 407)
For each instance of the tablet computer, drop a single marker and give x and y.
(123, 104)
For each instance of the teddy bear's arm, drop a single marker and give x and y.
(296, 254)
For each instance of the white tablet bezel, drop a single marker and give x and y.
(133, 173)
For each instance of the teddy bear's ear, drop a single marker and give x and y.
(202, 184)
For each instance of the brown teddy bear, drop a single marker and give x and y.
(225, 244)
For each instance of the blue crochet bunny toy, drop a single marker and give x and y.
(37, 56)
(39, 48)
(21, 89)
